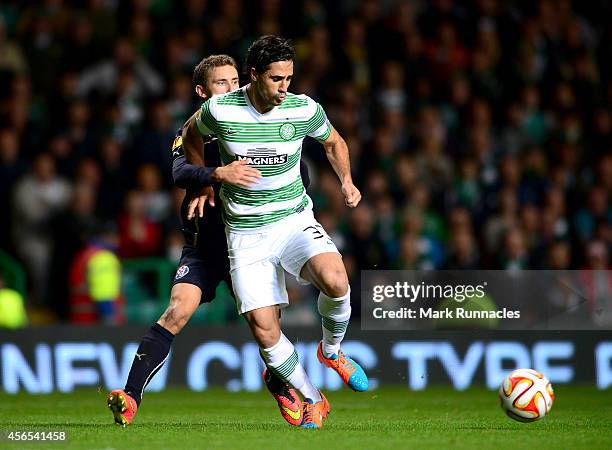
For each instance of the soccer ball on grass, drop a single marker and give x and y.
(526, 395)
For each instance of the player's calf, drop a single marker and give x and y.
(184, 301)
(335, 315)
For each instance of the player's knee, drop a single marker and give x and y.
(335, 283)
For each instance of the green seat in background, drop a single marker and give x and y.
(147, 285)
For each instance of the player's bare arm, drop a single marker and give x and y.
(192, 142)
(338, 156)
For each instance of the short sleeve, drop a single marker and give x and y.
(205, 120)
(318, 125)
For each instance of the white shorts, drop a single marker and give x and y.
(258, 259)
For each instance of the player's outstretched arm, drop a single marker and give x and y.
(338, 156)
(189, 176)
(237, 172)
(185, 175)
(192, 143)
(195, 178)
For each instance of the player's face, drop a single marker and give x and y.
(222, 80)
(274, 83)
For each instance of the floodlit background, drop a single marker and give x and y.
(480, 135)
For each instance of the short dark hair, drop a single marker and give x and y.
(202, 70)
(266, 50)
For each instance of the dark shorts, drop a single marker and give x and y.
(204, 270)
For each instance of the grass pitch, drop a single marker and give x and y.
(387, 418)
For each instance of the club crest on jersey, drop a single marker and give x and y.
(181, 272)
(287, 131)
(262, 157)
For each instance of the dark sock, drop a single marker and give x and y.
(150, 357)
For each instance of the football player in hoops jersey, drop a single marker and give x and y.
(270, 224)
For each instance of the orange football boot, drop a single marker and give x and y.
(288, 401)
(122, 406)
(315, 413)
(351, 373)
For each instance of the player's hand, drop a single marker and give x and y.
(207, 194)
(352, 196)
(237, 173)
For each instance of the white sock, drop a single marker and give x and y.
(335, 315)
(282, 360)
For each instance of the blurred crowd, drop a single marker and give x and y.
(480, 131)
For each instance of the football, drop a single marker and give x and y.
(526, 395)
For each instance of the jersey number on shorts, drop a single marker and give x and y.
(317, 232)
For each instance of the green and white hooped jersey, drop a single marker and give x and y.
(271, 143)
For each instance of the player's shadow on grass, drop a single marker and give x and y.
(211, 426)
(48, 425)
(205, 426)
(510, 427)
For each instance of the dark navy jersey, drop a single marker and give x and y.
(208, 230)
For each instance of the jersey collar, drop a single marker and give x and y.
(251, 107)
